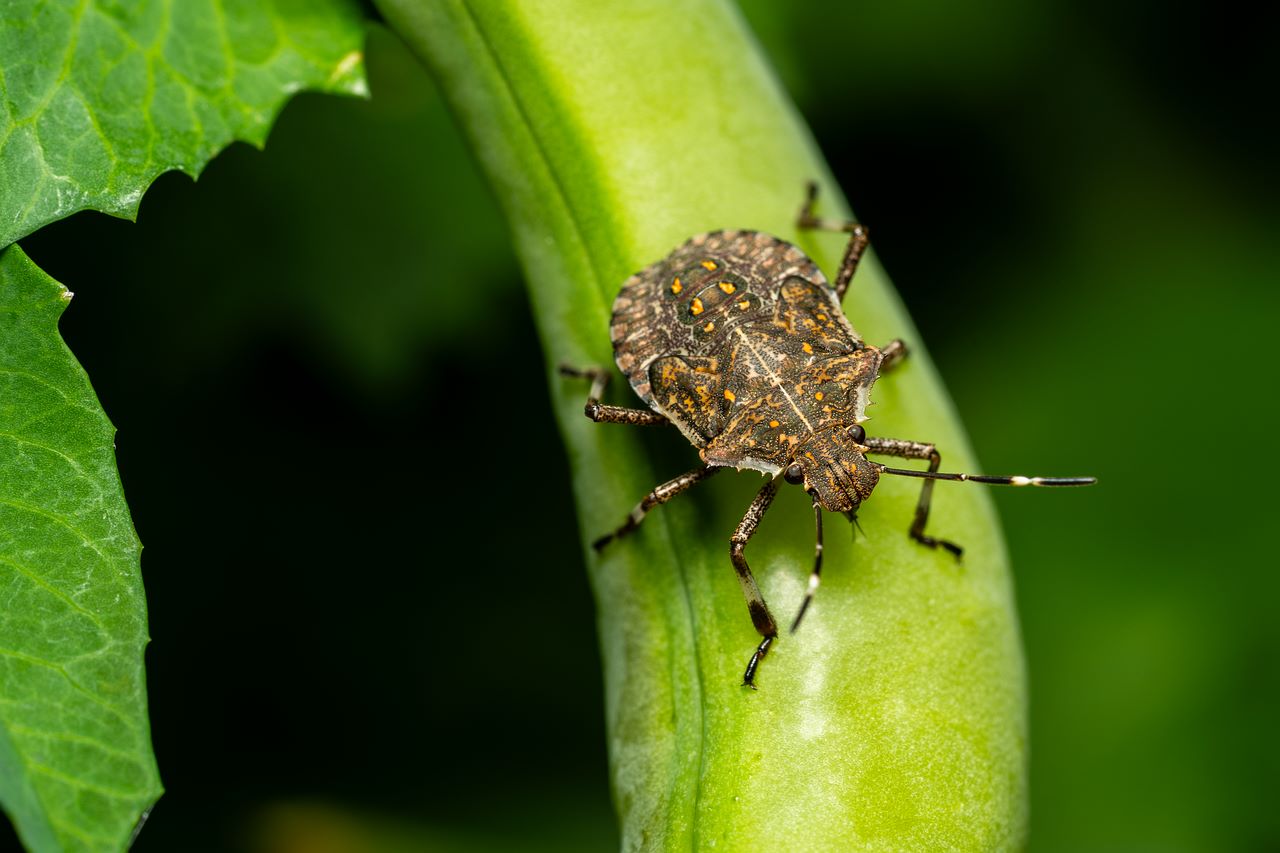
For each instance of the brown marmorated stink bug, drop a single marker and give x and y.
(738, 340)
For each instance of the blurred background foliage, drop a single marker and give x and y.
(372, 627)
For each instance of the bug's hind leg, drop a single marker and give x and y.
(761, 618)
(602, 414)
(917, 450)
(858, 239)
(660, 495)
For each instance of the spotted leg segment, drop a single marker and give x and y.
(917, 450)
(660, 495)
(603, 414)
(858, 239)
(761, 618)
(815, 577)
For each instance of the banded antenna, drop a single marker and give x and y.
(816, 575)
(991, 480)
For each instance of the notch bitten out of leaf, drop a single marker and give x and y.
(104, 97)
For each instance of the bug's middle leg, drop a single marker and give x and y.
(604, 414)
(761, 618)
(917, 450)
(858, 239)
(659, 495)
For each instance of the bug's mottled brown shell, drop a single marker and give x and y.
(738, 338)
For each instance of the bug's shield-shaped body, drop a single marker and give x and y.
(738, 339)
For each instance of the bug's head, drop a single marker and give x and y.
(832, 467)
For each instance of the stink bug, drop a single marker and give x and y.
(738, 340)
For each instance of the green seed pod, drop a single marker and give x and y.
(894, 719)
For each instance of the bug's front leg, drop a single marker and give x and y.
(603, 414)
(858, 239)
(761, 618)
(660, 495)
(917, 450)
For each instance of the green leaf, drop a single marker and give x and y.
(895, 719)
(76, 768)
(101, 96)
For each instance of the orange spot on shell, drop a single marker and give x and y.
(695, 306)
(709, 265)
(744, 304)
(818, 396)
(726, 286)
(710, 327)
(729, 395)
(773, 424)
(676, 286)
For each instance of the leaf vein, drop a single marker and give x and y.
(40, 380)
(57, 519)
(53, 590)
(80, 688)
(72, 737)
(85, 784)
(70, 460)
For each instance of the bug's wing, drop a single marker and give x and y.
(754, 437)
(688, 390)
(645, 327)
(807, 312)
(685, 303)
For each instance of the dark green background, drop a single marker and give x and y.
(371, 621)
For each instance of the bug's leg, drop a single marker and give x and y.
(660, 495)
(816, 575)
(858, 238)
(761, 618)
(917, 450)
(892, 354)
(603, 414)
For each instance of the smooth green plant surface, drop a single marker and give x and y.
(895, 718)
(101, 97)
(76, 768)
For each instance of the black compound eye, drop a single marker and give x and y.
(857, 433)
(794, 474)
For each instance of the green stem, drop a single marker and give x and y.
(895, 718)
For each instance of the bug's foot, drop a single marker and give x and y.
(749, 677)
(578, 372)
(946, 545)
(806, 219)
(630, 525)
(599, 544)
